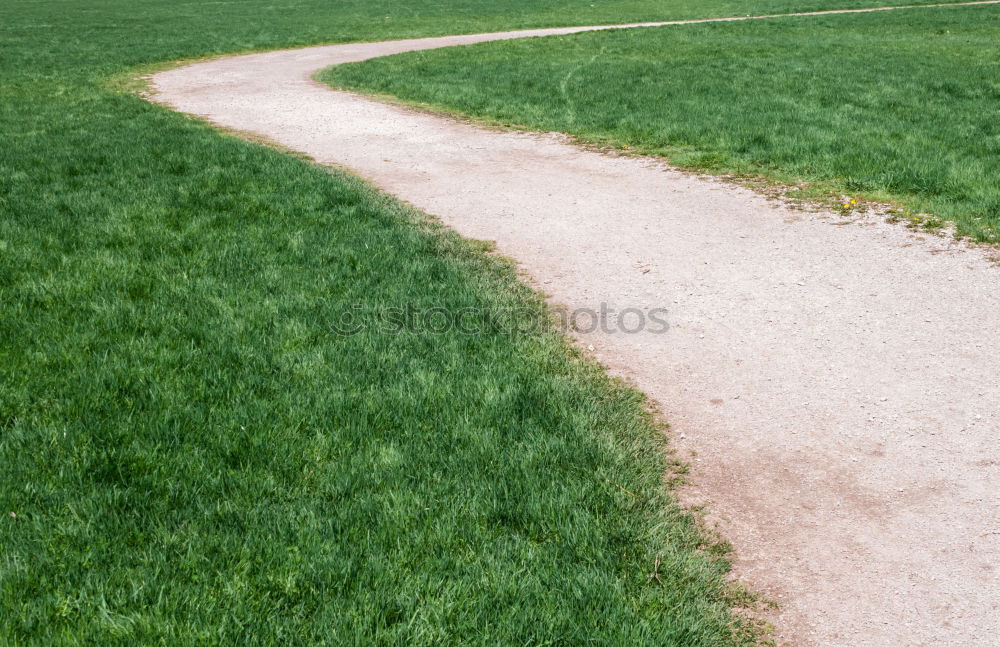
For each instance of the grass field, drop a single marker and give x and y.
(192, 456)
(898, 106)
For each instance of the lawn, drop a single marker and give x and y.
(192, 455)
(892, 106)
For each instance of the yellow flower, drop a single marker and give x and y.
(854, 201)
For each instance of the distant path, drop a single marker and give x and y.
(840, 384)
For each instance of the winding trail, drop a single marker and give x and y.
(837, 385)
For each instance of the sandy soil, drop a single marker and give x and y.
(835, 387)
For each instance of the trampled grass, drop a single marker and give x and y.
(897, 106)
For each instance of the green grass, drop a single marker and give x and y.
(194, 457)
(898, 106)
(191, 456)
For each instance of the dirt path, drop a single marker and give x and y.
(839, 384)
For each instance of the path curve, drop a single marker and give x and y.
(839, 385)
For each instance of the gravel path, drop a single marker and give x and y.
(835, 387)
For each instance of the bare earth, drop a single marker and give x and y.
(838, 385)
